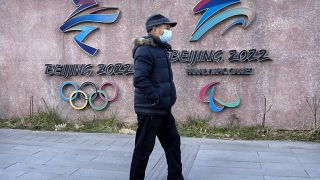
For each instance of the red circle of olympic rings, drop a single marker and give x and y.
(116, 91)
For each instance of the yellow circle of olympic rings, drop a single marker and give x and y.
(75, 107)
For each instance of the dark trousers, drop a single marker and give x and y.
(165, 129)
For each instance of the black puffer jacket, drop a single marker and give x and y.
(155, 92)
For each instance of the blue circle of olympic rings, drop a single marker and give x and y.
(68, 83)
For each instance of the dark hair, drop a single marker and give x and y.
(150, 29)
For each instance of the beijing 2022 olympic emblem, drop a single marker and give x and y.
(73, 20)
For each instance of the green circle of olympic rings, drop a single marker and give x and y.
(96, 107)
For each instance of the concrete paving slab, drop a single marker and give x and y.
(287, 178)
(26, 154)
(36, 175)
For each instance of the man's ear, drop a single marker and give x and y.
(154, 29)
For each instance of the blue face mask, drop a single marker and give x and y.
(166, 36)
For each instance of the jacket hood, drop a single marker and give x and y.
(149, 41)
(145, 40)
(142, 41)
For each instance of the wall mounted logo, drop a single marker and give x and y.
(98, 92)
(212, 100)
(212, 16)
(73, 20)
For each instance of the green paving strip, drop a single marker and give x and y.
(192, 127)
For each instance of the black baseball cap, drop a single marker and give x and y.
(158, 19)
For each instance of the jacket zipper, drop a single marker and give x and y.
(169, 69)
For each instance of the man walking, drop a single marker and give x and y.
(154, 96)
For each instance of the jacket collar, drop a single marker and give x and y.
(159, 43)
(150, 40)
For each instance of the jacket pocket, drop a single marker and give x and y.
(163, 104)
(154, 98)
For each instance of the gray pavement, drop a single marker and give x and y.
(43, 155)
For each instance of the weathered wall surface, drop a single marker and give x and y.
(289, 30)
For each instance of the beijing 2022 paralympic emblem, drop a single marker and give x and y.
(212, 16)
(212, 101)
(73, 19)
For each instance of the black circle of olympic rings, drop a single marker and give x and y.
(89, 84)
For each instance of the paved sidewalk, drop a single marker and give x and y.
(35, 155)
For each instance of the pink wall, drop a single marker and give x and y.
(289, 30)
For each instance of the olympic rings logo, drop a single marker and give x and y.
(98, 92)
(212, 100)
